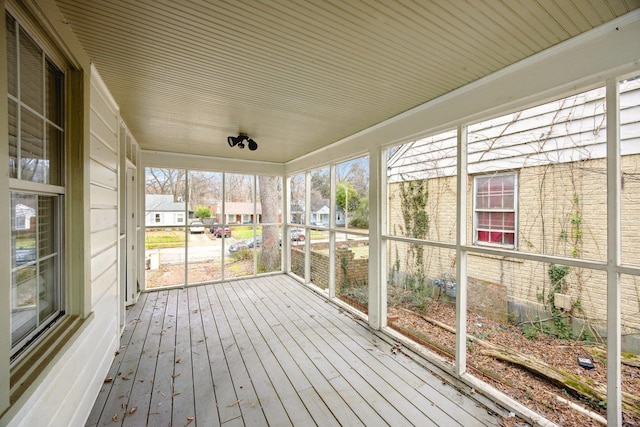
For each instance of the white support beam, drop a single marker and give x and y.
(461, 253)
(187, 230)
(5, 233)
(307, 216)
(286, 216)
(614, 173)
(377, 283)
(332, 234)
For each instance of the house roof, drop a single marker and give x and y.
(300, 75)
(162, 203)
(323, 210)
(570, 129)
(241, 208)
(22, 209)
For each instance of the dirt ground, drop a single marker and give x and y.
(168, 275)
(529, 389)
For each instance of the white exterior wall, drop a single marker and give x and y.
(68, 393)
(65, 391)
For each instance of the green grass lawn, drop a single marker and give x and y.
(163, 239)
(244, 232)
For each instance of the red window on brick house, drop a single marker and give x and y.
(495, 209)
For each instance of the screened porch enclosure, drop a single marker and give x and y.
(435, 220)
(490, 255)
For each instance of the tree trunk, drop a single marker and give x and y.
(270, 202)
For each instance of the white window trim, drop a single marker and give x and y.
(17, 185)
(515, 211)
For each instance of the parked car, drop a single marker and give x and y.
(25, 255)
(249, 243)
(217, 231)
(297, 235)
(196, 227)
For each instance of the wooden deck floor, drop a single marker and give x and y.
(267, 351)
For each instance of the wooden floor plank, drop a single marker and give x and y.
(413, 405)
(206, 410)
(120, 396)
(358, 400)
(266, 395)
(133, 321)
(382, 398)
(270, 355)
(183, 406)
(160, 408)
(224, 391)
(315, 367)
(268, 351)
(247, 398)
(463, 410)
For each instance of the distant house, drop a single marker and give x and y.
(237, 213)
(162, 210)
(321, 216)
(25, 217)
(297, 212)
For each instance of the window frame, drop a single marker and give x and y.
(56, 190)
(477, 210)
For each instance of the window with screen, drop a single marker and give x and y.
(36, 166)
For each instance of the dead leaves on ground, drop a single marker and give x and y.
(397, 347)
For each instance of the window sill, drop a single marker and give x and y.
(31, 369)
(496, 257)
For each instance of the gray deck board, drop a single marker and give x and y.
(161, 404)
(294, 387)
(183, 376)
(281, 386)
(385, 378)
(225, 393)
(134, 323)
(440, 410)
(349, 367)
(247, 399)
(267, 351)
(205, 404)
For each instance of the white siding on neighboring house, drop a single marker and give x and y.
(556, 132)
(321, 216)
(161, 210)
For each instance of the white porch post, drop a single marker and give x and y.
(377, 220)
(614, 379)
(307, 218)
(461, 253)
(332, 234)
(286, 215)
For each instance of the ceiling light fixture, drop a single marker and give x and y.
(239, 141)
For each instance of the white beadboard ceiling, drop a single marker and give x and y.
(298, 75)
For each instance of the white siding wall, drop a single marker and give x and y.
(67, 394)
(105, 280)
